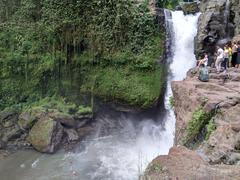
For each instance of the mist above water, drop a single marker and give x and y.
(122, 145)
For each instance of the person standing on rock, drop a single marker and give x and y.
(234, 54)
(219, 60)
(238, 55)
(230, 54)
(226, 58)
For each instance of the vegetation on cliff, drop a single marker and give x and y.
(104, 48)
(201, 121)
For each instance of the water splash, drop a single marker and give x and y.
(226, 16)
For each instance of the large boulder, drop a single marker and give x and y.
(46, 135)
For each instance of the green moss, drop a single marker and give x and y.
(56, 103)
(124, 85)
(59, 51)
(124, 76)
(84, 110)
(171, 101)
(156, 167)
(50, 103)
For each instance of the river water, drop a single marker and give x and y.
(122, 145)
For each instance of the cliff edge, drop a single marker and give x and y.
(207, 129)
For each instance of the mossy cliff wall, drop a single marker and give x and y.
(71, 49)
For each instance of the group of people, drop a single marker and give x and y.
(225, 58)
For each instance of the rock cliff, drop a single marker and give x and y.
(218, 23)
(208, 123)
(185, 164)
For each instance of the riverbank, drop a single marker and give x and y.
(46, 125)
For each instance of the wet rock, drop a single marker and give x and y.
(46, 135)
(8, 124)
(72, 135)
(3, 154)
(83, 119)
(65, 119)
(26, 120)
(84, 131)
(81, 116)
(178, 8)
(8, 119)
(7, 115)
(2, 144)
(190, 7)
(12, 134)
(9, 133)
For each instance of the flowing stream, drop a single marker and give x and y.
(123, 144)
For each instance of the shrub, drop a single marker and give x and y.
(171, 101)
(211, 127)
(194, 128)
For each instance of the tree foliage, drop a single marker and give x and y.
(167, 3)
(46, 45)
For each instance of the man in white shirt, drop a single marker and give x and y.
(220, 58)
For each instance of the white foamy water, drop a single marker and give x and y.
(124, 152)
(185, 29)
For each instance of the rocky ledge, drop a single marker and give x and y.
(207, 129)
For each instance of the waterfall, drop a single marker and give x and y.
(184, 32)
(130, 143)
(125, 154)
(181, 30)
(226, 16)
